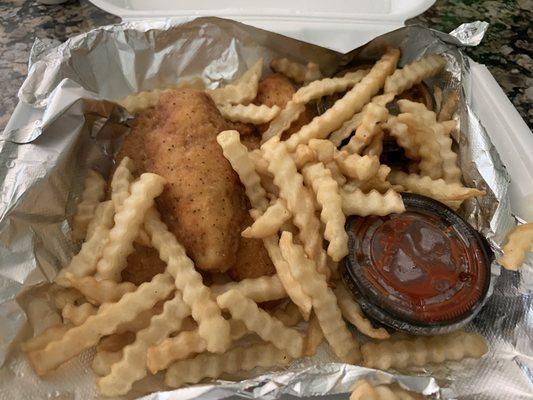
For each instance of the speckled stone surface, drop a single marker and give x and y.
(506, 48)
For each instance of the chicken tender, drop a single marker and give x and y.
(203, 203)
(143, 264)
(277, 90)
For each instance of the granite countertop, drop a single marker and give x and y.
(506, 48)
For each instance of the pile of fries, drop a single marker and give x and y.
(301, 191)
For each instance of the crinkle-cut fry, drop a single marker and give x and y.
(237, 155)
(93, 193)
(373, 115)
(269, 222)
(325, 150)
(116, 341)
(132, 366)
(104, 211)
(357, 167)
(346, 129)
(243, 90)
(283, 120)
(372, 203)
(77, 315)
(519, 243)
(289, 315)
(352, 312)
(353, 101)
(263, 324)
(239, 159)
(104, 360)
(207, 365)
(327, 86)
(449, 126)
(324, 301)
(99, 292)
(363, 390)
(212, 326)
(128, 222)
(438, 189)
(313, 337)
(105, 322)
(428, 147)
(336, 173)
(40, 341)
(404, 137)
(303, 155)
(63, 296)
(179, 347)
(299, 201)
(423, 350)
(260, 164)
(297, 72)
(375, 147)
(84, 263)
(141, 321)
(120, 183)
(264, 288)
(414, 72)
(250, 113)
(449, 106)
(450, 171)
(140, 101)
(386, 393)
(329, 198)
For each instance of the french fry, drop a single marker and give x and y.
(260, 164)
(346, 129)
(336, 173)
(363, 390)
(237, 154)
(99, 292)
(423, 350)
(324, 301)
(264, 288)
(357, 167)
(450, 171)
(128, 221)
(329, 198)
(207, 365)
(116, 341)
(256, 320)
(239, 159)
(451, 194)
(373, 115)
(519, 243)
(297, 72)
(414, 73)
(327, 86)
(325, 150)
(404, 137)
(104, 360)
(141, 321)
(77, 315)
(40, 341)
(212, 326)
(268, 223)
(375, 147)
(351, 311)
(63, 296)
(104, 211)
(105, 322)
(289, 315)
(93, 193)
(120, 183)
(352, 102)
(250, 113)
(449, 106)
(395, 393)
(84, 263)
(292, 190)
(428, 147)
(372, 203)
(313, 337)
(132, 365)
(242, 91)
(283, 121)
(449, 126)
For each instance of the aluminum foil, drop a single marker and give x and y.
(63, 125)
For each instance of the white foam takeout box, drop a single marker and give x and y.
(343, 25)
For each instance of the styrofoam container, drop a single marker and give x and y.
(343, 25)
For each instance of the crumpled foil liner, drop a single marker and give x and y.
(61, 127)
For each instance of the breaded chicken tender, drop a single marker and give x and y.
(277, 90)
(203, 203)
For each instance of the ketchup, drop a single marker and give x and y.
(425, 266)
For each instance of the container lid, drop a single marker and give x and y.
(338, 24)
